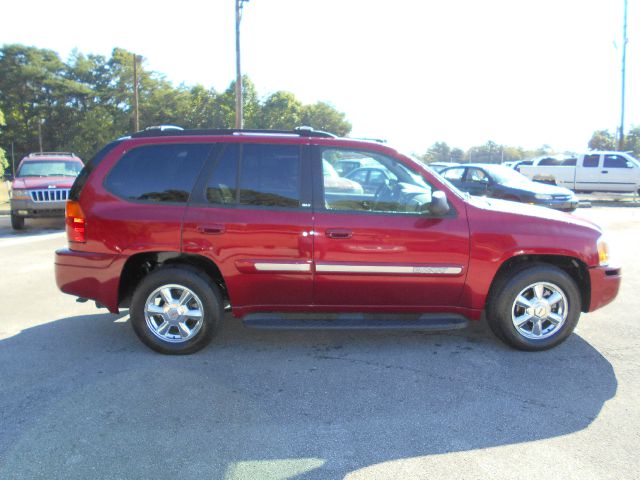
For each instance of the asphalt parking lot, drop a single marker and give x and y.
(81, 397)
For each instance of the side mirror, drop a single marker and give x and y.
(439, 205)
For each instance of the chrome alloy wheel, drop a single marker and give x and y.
(539, 310)
(174, 313)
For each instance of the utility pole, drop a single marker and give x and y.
(135, 94)
(239, 103)
(624, 74)
(40, 121)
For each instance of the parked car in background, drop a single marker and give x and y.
(41, 186)
(345, 166)
(333, 182)
(498, 181)
(589, 172)
(517, 165)
(372, 178)
(439, 166)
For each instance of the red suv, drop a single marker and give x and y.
(180, 225)
(41, 186)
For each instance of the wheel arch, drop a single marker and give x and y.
(575, 268)
(141, 264)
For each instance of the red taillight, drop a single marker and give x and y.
(75, 222)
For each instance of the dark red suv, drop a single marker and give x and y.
(178, 225)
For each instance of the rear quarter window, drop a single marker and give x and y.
(158, 173)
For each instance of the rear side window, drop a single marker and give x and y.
(270, 175)
(257, 175)
(591, 161)
(158, 173)
(223, 185)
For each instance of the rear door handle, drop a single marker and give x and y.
(211, 229)
(339, 233)
(605, 171)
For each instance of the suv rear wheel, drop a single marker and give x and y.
(176, 310)
(534, 308)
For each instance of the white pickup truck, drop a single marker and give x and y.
(589, 172)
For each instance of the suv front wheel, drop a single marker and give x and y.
(534, 308)
(176, 310)
(17, 223)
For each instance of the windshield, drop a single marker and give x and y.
(49, 168)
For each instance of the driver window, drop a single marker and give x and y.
(380, 184)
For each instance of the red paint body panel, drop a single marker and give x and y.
(251, 235)
(262, 253)
(390, 240)
(89, 275)
(605, 283)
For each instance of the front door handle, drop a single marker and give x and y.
(605, 171)
(339, 233)
(211, 229)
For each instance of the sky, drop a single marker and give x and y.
(518, 72)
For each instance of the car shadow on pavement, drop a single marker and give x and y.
(83, 398)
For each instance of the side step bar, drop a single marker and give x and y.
(425, 322)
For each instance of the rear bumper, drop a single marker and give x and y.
(605, 283)
(89, 275)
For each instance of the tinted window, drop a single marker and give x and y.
(158, 173)
(223, 184)
(569, 162)
(591, 161)
(550, 161)
(270, 175)
(615, 161)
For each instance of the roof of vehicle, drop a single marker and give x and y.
(52, 156)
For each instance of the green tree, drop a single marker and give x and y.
(632, 141)
(323, 116)
(602, 140)
(281, 111)
(438, 152)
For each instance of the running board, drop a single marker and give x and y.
(367, 321)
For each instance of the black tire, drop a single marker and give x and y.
(17, 223)
(176, 279)
(540, 332)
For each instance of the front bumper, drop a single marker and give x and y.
(31, 209)
(565, 206)
(89, 275)
(605, 283)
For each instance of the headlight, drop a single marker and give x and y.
(18, 194)
(603, 251)
(542, 196)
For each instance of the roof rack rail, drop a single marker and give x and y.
(170, 130)
(51, 154)
(163, 128)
